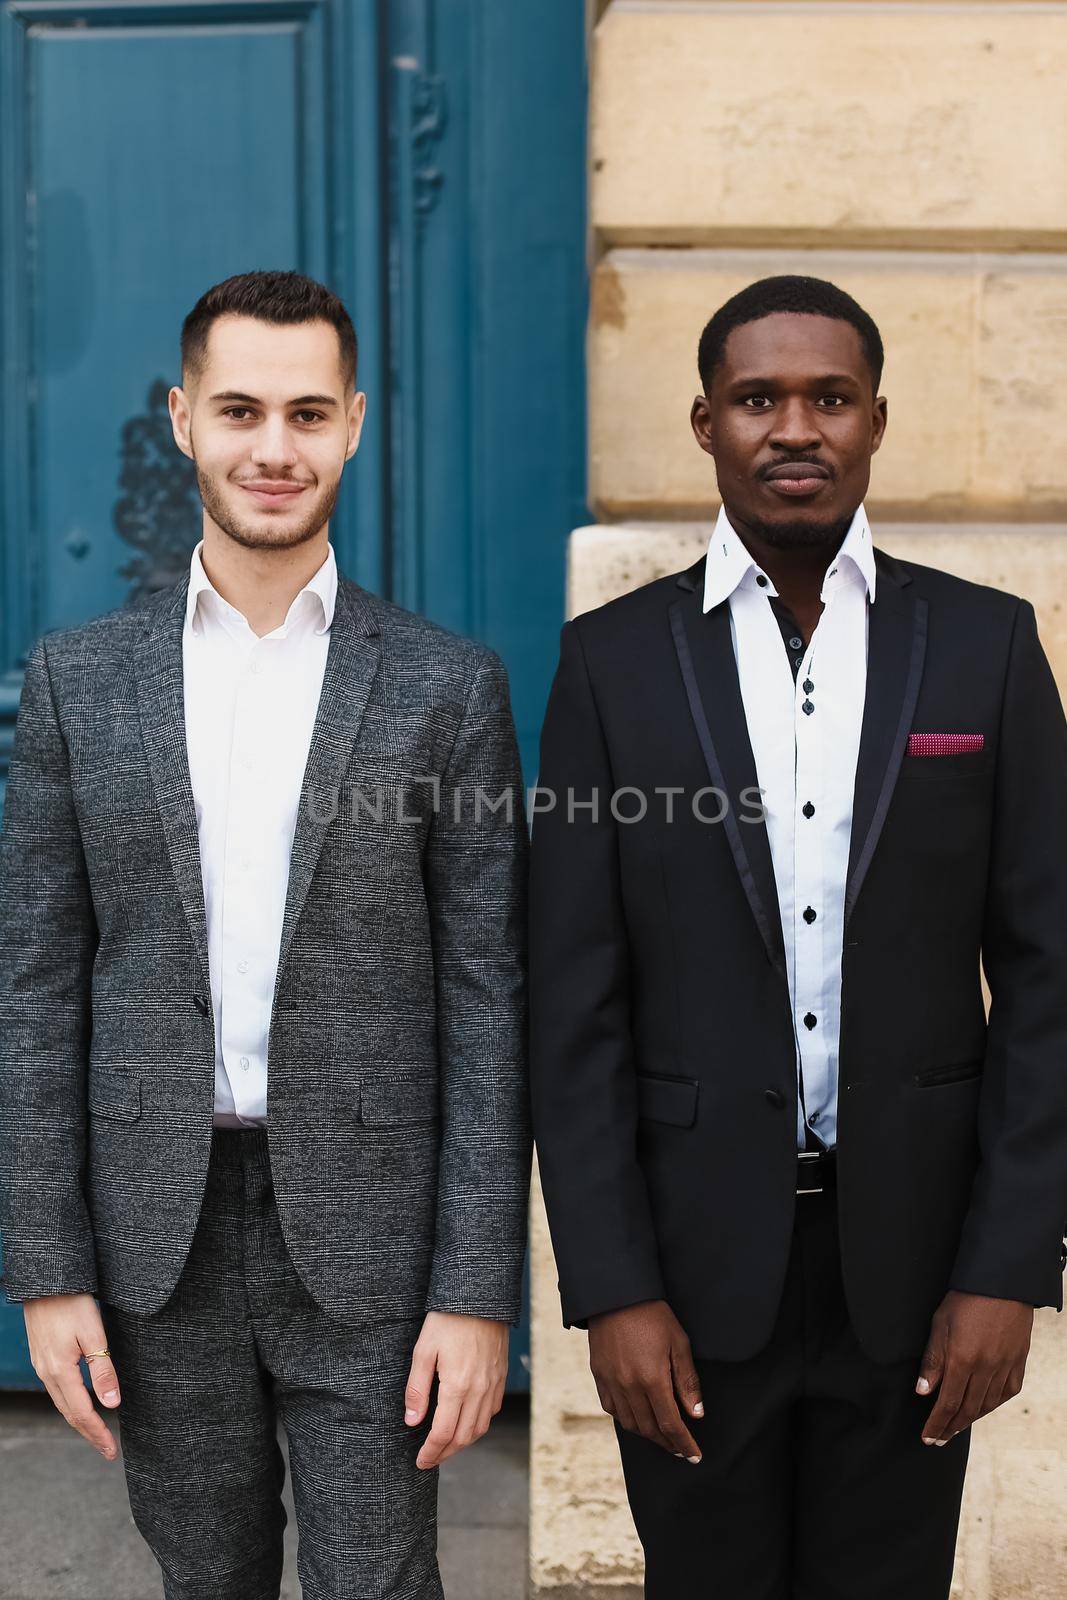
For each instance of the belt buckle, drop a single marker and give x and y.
(809, 1155)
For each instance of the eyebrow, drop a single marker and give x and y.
(301, 400)
(821, 378)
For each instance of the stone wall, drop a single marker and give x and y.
(916, 154)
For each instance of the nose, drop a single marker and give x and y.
(273, 449)
(795, 427)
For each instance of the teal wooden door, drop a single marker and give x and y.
(423, 157)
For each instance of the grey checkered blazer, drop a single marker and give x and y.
(397, 1094)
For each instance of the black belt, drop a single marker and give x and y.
(816, 1171)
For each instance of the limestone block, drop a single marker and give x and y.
(974, 351)
(729, 123)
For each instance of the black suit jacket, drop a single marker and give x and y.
(663, 1060)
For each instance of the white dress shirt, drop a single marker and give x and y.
(250, 706)
(805, 743)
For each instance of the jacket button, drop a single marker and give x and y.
(201, 1004)
(774, 1097)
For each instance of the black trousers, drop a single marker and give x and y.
(815, 1483)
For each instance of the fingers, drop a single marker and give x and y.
(652, 1411)
(104, 1379)
(461, 1418)
(476, 1413)
(931, 1367)
(974, 1403)
(71, 1399)
(61, 1334)
(419, 1384)
(669, 1422)
(954, 1384)
(686, 1382)
(443, 1428)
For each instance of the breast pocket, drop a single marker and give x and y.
(398, 1102)
(967, 764)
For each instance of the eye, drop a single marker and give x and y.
(838, 400)
(231, 411)
(751, 401)
(314, 416)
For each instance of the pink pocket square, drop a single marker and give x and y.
(944, 744)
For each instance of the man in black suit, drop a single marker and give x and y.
(802, 1194)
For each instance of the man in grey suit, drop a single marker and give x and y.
(262, 1008)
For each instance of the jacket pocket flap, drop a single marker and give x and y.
(114, 1094)
(956, 1072)
(388, 1102)
(667, 1099)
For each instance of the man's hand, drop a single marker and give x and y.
(61, 1328)
(470, 1357)
(643, 1366)
(977, 1352)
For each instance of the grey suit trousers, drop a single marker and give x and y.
(238, 1344)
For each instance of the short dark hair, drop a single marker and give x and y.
(283, 298)
(793, 293)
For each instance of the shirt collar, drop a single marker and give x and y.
(323, 584)
(730, 566)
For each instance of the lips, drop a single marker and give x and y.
(797, 478)
(271, 492)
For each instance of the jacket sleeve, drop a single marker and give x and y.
(475, 874)
(1011, 1242)
(582, 1064)
(48, 939)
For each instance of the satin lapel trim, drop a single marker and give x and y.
(896, 650)
(709, 672)
(352, 663)
(161, 706)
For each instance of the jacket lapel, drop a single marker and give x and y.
(351, 664)
(897, 623)
(161, 704)
(709, 672)
(896, 648)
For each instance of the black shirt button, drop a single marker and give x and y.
(798, 661)
(761, 580)
(808, 809)
(809, 914)
(807, 686)
(774, 1097)
(796, 642)
(807, 708)
(810, 1020)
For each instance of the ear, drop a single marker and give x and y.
(357, 411)
(879, 422)
(700, 422)
(180, 418)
